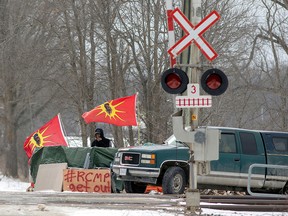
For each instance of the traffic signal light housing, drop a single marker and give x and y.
(214, 82)
(174, 81)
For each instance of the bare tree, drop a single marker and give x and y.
(143, 27)
(231, 37)
(273, 38)
(23, 72)
(261, 74)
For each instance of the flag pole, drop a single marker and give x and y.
(63, 129)
(138, 119)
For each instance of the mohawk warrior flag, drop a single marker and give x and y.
(120, 112)
(50, 134)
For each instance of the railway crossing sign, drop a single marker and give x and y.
(194, 34)
(193, 99)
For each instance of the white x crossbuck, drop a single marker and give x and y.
(194, 34)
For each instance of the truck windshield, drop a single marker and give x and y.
(171, 141)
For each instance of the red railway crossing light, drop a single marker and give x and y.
(174, 81)
(214, 82)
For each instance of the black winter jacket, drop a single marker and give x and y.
(101, 143)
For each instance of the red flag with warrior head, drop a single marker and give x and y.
(120, 112)
(50, 134)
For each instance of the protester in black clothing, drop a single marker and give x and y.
(100, 140)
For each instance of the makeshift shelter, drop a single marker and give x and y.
(79, 157)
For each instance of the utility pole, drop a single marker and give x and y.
(192, 9)
(203, 143)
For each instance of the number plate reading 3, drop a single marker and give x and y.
(123, 171)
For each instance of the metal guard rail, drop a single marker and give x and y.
(264, 194)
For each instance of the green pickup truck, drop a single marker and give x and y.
(167, 164)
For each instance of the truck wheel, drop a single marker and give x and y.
(174, 181)
(133, 187)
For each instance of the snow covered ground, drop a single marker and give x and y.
(7, 184)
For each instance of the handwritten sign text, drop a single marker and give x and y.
(87, 180)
